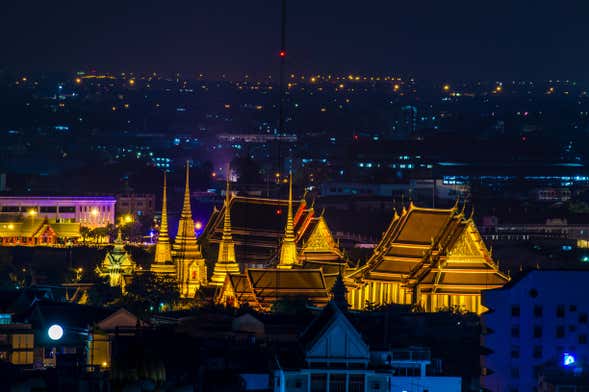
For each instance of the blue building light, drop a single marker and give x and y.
(568, 359)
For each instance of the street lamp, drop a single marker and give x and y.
(55, 332)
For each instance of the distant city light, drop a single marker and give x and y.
(55, 332)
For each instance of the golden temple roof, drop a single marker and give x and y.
(35, 227)
(436, 247)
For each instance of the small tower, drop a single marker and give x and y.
(226, 261)
(162, 263)
(117, 264)
(338, 293)
(288, 250)
(190, 265)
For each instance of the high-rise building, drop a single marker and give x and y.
(536, 322)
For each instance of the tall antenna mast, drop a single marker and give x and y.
(282, 84)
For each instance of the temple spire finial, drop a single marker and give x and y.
(288, 250)
(226, 260)
(186, 252)
(163, 249)
(338, 293)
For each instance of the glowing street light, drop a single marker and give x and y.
(32, 212)
(94, 212)
(55, 332)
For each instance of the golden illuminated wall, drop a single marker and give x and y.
(99, 350)
(22, 346)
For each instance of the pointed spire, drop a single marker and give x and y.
(471, 217)
(186, 210)
(227, 217)
(289, 232)
(163, 248)
(186, 251)
(226, 261)
(338, 293)
(119, 239)
(288, 250)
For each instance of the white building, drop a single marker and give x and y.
(91, 211)
(338, 360)
(532, 321)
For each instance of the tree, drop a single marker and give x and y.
(85, 233)
(149, 293)
(102, 293)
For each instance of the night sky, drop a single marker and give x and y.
(428, 39)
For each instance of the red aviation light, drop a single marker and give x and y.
(282, 53)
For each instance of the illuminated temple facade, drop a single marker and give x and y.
(183, 259)
(432, 259)
(270, 250)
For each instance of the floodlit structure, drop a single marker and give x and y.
(190, 264)
(434, 259)
(118, 265)
(162, 263)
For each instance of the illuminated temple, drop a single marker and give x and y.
(270, 250)
(191, 270)
(433, 259)
(118, 265)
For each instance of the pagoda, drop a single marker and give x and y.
(288, 251)
(226, 262)
(162, 263)
(190, 265)
(117, 264)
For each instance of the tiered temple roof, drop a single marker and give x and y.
(117, 264)
(37, 231)
(258, 226)
(437, 250)
(262, 287)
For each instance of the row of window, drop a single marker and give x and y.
(560, 312)
(559, 332)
